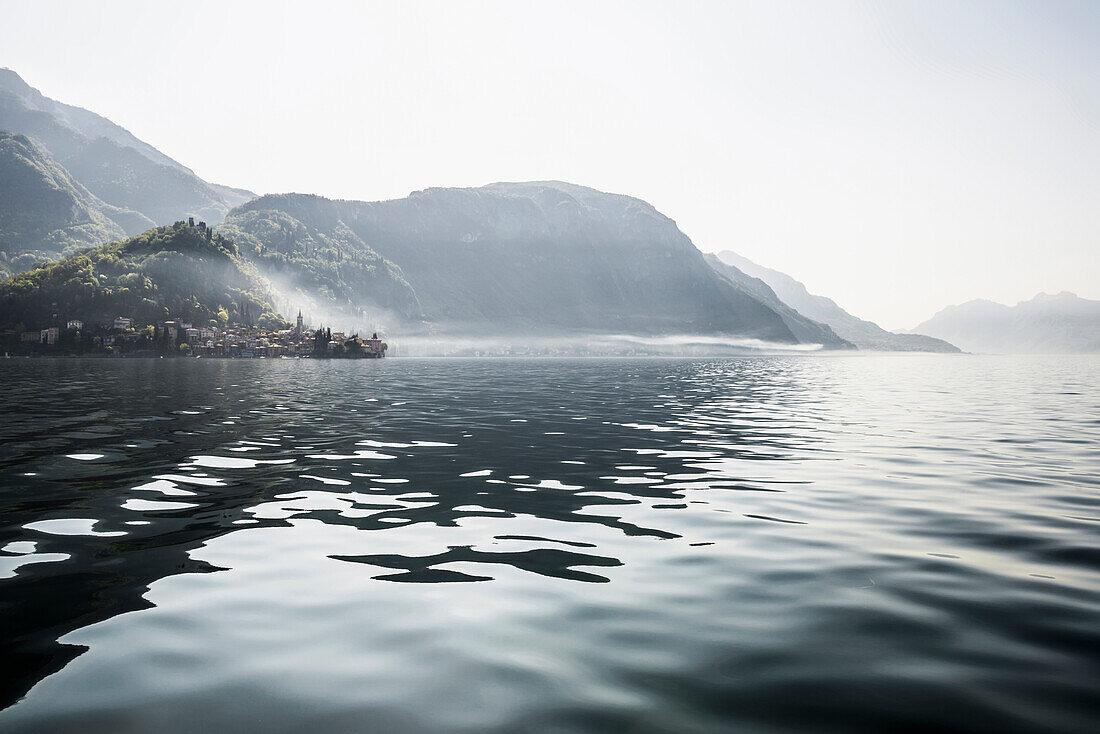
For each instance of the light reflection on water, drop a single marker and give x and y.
(835, 543)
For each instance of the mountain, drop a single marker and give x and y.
(179, 271)
(320, 265)
(43, 210)
(510, 258)
(864, 334)
(1061, 324)
(804, 329)
(110, 162)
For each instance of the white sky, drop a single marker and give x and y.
(895, 156)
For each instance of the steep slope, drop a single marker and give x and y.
(804, 329)
(177, 271)
(43, 211)
(110, 162)
(864, 334)
(1061, 324)
(529, 258)
(88, 124)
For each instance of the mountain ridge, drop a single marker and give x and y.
(44, 211)
(527, 257)
(111, 162)
(1045, 324)
(805, 329)
(864, 334)
(90, 124)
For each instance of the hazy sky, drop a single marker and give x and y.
(895, 156)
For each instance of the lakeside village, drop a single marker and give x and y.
(183, 339)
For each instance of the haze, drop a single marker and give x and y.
(897, 157)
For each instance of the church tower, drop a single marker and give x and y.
(299, 327)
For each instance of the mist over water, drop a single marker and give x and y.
(586, 345)
(767, 543)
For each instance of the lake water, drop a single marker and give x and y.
(790, 543)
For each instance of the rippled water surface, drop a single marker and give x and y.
(759, 544)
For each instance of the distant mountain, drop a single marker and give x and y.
(1061, 324)
(864, 334)
(110, 162)
(43, 211)
(804, 329)
(509, 258)
(179, 271)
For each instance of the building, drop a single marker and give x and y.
(49, 336)
(375, 346)
(298, 326)
(122, 323)
(75, 324)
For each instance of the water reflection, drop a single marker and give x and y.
(544, 561)
(738, 487)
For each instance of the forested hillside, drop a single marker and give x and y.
(179, 271)
(320, 264)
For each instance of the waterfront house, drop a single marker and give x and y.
(374, 345)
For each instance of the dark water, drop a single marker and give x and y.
(760, 544)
